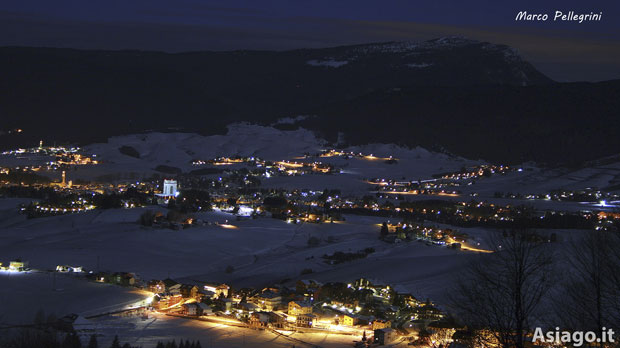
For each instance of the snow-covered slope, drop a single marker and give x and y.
(179, 149)
(262, 251)
(22, 295)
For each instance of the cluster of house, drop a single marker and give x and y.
(357, 307)
(430, 234)
(15, 266)
(300, 168)
(69, 269)
(118, 278)
(23, 266)
(188, 298)
(270, 168)
(306, 207)
(314, 216)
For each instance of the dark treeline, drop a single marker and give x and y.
(27, 178)
(48, 336)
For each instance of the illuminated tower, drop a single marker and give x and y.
(64, 179)
(170, 188)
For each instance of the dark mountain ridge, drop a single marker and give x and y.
(565, 123)
(444, 86)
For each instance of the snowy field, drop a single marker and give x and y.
(179, 149)
(262, 251)
(22, 295)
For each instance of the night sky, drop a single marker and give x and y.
(564, 51)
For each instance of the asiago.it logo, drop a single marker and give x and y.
(575, 338)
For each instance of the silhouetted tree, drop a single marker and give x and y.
(384, 229)
(147, 218)
(39, 318)
(115, 343)
(92, 343)
(71, 341)
(503, 291)
(589, 292)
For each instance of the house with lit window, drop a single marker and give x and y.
(18, 265)
(384, 336)
(428, 312)
(306, 320)
(381, 324)
(188, 291)
(299, 307)
(68, 269)
(268, 300)
(166, 300)
(410, 300)
(246, 308)
(190, 309)
(156, 286)
(350, 320)
(124, 279)
(259, 320)
(276, 320)
(218, 290)
(196, 309)
(207, 294)
(175, 289)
